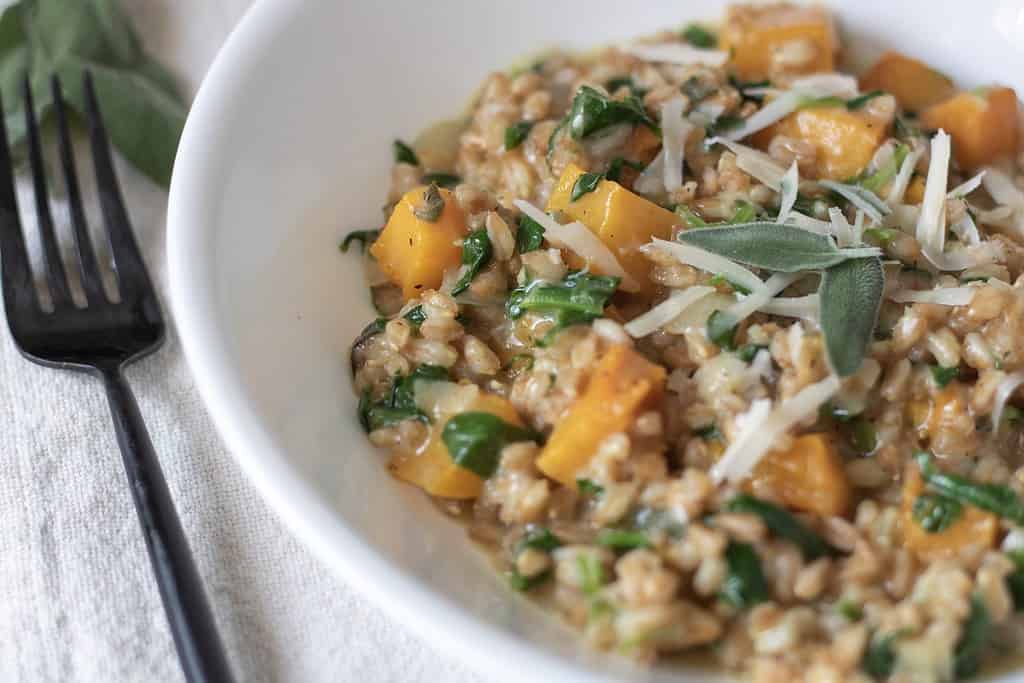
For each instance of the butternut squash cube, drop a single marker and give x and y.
(624, 221)
(432, 468)
(984, 125)
(807, 476)
(623, 384)
(915, 85)
(915, 191)
(974, 528)
(415, 253)
(771, 40)
(844, 141)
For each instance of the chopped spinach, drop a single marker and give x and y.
(474, 440)
(416, 316)
(477, 252)
(721, 330)
(1001, 500)
(1015, 579)
(745, 212)
(935, 513)
(850, 610)
(879, 658)
(625, 82)
(614, 172)
(585, 183)
(744, 86)
(529, 236)
(622, 539)
(744, 585)
(697, 90)
(698, 36)
(943, 375)
(863, 436)
(516, 133)
(521, 584)
(747, 352)
(593, 111)
(692, 218)
(404, 154)
(400, 402)
(783, 524)
(589, 488)
(540, 538)
(578, 299)
(859, 101)
(723, 124)
(974, 637)
(708, 432)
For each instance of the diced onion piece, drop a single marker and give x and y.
(677, 53)
(1002, 188)
(790, 187)
(675, 129)
(1003, 393)
(966, 187)
(667, 311)
(931, 224)
(837, 84)
(902, 179)
(861, 197)
(576, 237)
(652, 179)
(708, 262)
(806, 307)
(755, 300)
(763, 427)
(754, 162)
(946, 296)
(841, 227)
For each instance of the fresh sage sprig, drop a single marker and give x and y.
(142, 109)
(773, 246)
(850, 296)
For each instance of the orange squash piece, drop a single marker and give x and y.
(414, 253)
(844, 141)
(780, 38)
(975, 528)
(623, 384)
(915, 85)
(984, 125)
(624, 221)
(432, 468)
(915, 191)
(807, 476)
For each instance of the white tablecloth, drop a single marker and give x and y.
(78, 602)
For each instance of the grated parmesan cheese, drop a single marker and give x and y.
(675, 130)
(1003, 393)
(790, 188)
(754, 162)
(667, 311)
(677, 53)
(946, 296)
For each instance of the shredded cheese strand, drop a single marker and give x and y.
(1003, 393)
(708, 262)
(667, 311)
(677, 53)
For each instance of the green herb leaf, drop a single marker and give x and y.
(719, 280)
(415, 316)
(589, 488)
(591, 573)
(698, 36)
(722, 125)
(850, 610)
(1001, 500)
(974, 637)
(697, 90)
(622, 540)
(880, 656)
(772, 246)
(477, 252)
(745, 212)
(516, 133)
(1015, 580)
(614, 172)
(943, 375)
(593, 111)
(364, 237)
(585, 183)
(400, 403)
(817, 102)
(721, 329)
(445, 180)
(540, 538)
(625, 82)
(475, 439)
(863, 436)
(877, 180)
(521, 584)
(748, 351)
(578, 299)
(431, 206)
(859, 101)
(851, 296)
(883, 237)
(935, 513)
(708, 432)
(404, 154)
(744, 585)
(782, 524)
(744, 86)
(529, 236)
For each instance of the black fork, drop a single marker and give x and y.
(101, 338)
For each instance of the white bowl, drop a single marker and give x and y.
(287, 148)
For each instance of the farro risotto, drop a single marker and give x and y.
(716, 348)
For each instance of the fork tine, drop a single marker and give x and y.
(131, 270)
(92, 281)
(19, 290)
(56, 278)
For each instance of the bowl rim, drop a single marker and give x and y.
(434, 618)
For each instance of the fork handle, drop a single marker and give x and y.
(192, 625)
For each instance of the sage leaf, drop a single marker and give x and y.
(773, 246)
(850, 295)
